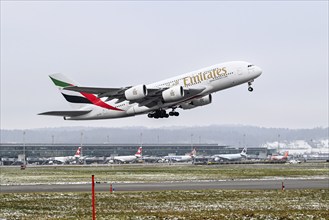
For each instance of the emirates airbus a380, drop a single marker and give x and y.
(185, 91)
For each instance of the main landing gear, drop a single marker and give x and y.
(160, 113)
(250, 89)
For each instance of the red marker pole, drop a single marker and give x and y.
(111, 188)
(93, 196)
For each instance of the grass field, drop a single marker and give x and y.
(206, 204)
(157, 173)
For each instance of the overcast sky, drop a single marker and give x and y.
(115, 44)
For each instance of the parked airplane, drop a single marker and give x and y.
(280, 157)
(181, 158)
(129, 159)
(67, 159)
(219, 157)
(186, 91)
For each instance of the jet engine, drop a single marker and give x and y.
(173, 94)
(204, 100)
(136, 92)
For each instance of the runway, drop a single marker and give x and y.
(254, 184)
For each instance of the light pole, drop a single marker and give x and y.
(191, 141)
(244, 140)
(81, 138)
(278, 143)
(24, 162)
(141, 139)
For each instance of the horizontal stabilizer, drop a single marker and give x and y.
(66, 113)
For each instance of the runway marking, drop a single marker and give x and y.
(200, 185)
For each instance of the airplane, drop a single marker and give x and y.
(219, 157)
(280, 157)
(129, 159)
(67, 159)
(187, 91)
(181, 158)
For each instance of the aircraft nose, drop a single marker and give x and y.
(258, 71)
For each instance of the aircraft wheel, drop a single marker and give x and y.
(176, 113)
(250, 89)
(150, 115)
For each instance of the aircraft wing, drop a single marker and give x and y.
(153, 97)
(66, 113)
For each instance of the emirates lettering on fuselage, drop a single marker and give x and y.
(216, 73)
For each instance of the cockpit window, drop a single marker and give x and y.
(250, 65)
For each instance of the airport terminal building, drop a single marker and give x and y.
(107, 150)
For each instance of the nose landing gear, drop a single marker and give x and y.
(250, 89)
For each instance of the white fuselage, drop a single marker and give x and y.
(125, 159)
(67, 159)
(227, 157)
(210, 80)
(184, 158)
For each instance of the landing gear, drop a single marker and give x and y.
(160, 113)
(250, 89)
(173, 113)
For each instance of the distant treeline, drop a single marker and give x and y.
(224, 135)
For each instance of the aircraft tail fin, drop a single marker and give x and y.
(139, 152)
(78, 153)
(76, 99)
(244, 152)
(62, 81)
(193, 152)
(286, 154)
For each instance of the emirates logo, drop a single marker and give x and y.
(134, 91)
